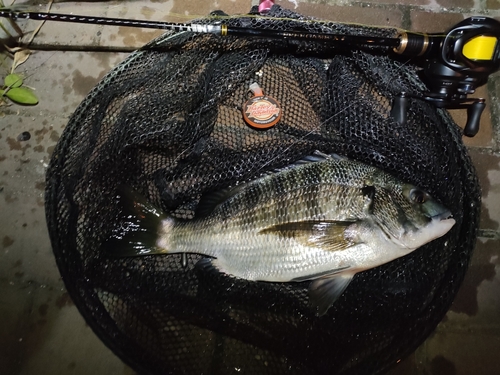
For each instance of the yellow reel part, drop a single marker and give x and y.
(481, 47)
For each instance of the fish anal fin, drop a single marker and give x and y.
(328, 235)
(323, 292)
(208, 265)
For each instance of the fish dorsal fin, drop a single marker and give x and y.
(211, 200)
(328, 235)
(320, 156)
(317, 156)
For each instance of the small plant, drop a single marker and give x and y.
(12, 88)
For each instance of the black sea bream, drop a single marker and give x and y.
(322, 219)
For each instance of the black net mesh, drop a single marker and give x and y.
(167, 121)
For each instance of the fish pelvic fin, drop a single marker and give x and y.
(141, 229)
(325, 291)
(320, 275)
(328, 235)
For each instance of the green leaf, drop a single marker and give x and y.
(13, 80)
(22, 95)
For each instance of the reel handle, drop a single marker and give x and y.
(474, 112)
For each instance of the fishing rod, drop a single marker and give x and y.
(217, 28)
(455, 63)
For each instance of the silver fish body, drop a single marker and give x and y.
(323, 219)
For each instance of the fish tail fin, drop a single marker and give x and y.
(325, 291)
(143, 228)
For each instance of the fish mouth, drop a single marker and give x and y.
(440, 225)
(446, 215)
(437, 226)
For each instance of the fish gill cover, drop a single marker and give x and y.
(167, 123)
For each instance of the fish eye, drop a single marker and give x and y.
(418, 196)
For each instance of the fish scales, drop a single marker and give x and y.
(232, 228)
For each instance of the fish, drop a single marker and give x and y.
(321, 219)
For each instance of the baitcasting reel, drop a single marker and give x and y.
(455, 65)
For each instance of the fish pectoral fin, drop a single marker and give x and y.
(325, 291)
(328, 235)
